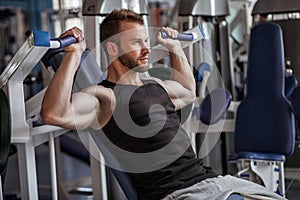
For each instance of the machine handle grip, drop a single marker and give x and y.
(62, 42)
(68, 40)
(181, 36)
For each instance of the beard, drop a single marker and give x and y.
(126, 60)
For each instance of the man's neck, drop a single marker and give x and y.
(123, 75)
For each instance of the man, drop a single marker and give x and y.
(139, 115)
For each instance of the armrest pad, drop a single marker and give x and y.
(214, 106)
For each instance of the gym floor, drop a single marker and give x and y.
(73, 169)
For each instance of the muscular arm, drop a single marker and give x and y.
(57, 102)
(62, 108)
(181, 88)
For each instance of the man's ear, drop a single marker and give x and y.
(112, 48)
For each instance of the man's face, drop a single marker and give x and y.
(134, 47)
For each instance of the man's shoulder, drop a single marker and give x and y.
(99, 91)
(151, 79)
(94, 88)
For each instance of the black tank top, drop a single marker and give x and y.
(146, 124)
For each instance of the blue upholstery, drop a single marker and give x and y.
(290, 83)
(214, 106)
(199, 73)
(264, 121)
(261, 156)
(235, 196)
(294, 99)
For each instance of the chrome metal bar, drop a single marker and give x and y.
(29, 54)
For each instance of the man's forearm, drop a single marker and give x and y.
(182, 71)
(57, 99)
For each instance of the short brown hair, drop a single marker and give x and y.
(111, 24)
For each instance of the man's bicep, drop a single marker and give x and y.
(179, 95)
(84, 109)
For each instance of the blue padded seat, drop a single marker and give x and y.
(265, 128)
(261, 156)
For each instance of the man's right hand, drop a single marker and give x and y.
(170, 42)
(77, 33)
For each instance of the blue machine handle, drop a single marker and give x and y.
(68, 40)
(180, 36)
(63, 42)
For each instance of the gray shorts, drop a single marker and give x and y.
(221, 187)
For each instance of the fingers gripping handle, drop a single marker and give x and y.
(181, 36)
(68, 40)
(62, 42)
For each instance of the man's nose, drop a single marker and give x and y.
(146, 48)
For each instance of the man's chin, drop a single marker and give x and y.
(141, 68)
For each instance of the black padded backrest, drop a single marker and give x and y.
(88, 73)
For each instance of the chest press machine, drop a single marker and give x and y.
(22, 114)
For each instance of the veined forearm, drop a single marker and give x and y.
(57, 99)
(182, 71)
